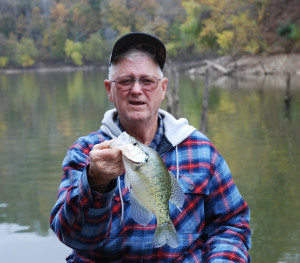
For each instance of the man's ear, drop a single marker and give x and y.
(164, 86)
(107, 85)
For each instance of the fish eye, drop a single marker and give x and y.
(135, 144)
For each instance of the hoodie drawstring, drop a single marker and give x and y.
(177, 164)
(121, 198)
(177, 169)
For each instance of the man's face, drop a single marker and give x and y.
(136, 105)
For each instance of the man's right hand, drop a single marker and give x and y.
(105, 165)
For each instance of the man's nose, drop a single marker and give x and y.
(136, 86)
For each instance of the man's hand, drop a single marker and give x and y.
(105, 165)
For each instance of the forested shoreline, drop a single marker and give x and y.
(56, 33)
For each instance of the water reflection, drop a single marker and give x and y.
(30, 247)
(42, 114)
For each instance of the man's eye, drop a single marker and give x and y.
(147, 81)
(125, 82)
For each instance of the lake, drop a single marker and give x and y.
(254, 123)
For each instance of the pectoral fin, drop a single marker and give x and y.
(126, 181)
(177, 194)
(139, 213)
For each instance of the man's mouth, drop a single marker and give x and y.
(136, 103)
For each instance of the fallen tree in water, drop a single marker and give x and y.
(245, 65)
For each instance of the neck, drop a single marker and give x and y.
(143, 132)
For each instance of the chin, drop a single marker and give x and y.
(137, 118)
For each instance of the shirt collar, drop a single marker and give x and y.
(158, 136)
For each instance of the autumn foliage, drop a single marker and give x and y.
(81, 32)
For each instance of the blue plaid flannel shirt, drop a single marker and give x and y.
(213, 225)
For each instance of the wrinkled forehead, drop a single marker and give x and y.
(135, 53)
(135, 64)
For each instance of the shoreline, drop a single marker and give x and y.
(47, 69)
(253, 65)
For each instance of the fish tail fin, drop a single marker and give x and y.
(165, 233)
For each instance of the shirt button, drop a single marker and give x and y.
(191, 188)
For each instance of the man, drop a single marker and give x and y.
(213, 225)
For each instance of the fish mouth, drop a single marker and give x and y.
(135, 162)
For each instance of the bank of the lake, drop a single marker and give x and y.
(244, 65)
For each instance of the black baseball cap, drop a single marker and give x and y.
(142, 41)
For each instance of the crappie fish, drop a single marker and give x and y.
(151, 186)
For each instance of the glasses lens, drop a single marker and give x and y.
(146, 82)
(149, 82)
(124, 83)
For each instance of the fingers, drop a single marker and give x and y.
(103, 145)
(105, 163)
(104, 152)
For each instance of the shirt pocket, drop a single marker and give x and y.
(191, 219)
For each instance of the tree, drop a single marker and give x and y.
(59, 31)
(26, 53)
(73, 51)
(21, 26)
(4, 55)
(234, 27)
(38, 25)
(7, 24)
(8, 48)
(191, 27)
(118, 16)
(82, 20)
(188, 27)
(94, 48)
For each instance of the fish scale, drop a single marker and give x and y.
(152, 186)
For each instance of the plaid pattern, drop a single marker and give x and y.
(158, 136)
(213, 225)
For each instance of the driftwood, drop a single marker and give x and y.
(203, 64)
(288, 93)
(205, 99)
(245, 65)
(172, 95)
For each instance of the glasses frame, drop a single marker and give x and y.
(134, 80)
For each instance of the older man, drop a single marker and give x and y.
(213, 225)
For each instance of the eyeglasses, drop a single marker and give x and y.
(125, 83)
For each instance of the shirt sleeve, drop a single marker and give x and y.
(81, 218)
(227, 215)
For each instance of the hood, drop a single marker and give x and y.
(176, 131)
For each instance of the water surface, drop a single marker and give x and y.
(248, 120)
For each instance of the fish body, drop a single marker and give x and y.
(151, 186)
